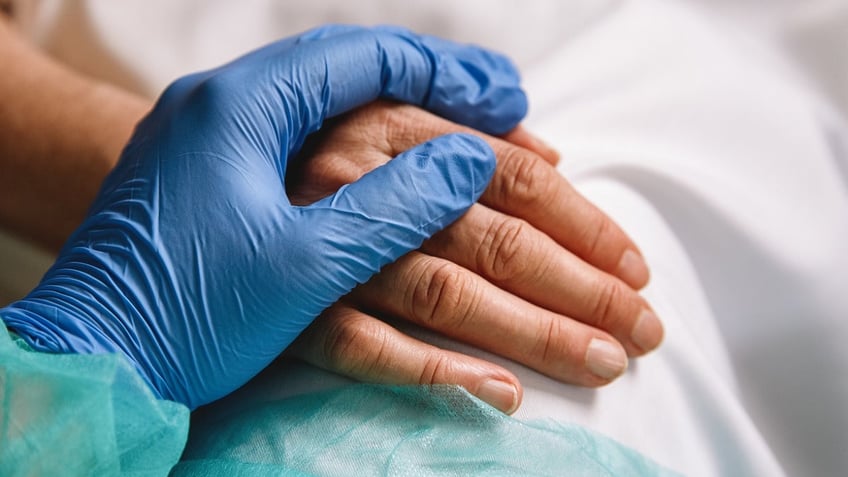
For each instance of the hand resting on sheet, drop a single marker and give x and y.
(534, 272)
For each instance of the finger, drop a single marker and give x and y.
(392, 209)
(525, 186)
(323, 75)
(447, 298)
(349, 342)
(521, 137)
(515, 256)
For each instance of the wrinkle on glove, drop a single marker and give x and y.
(370, 430)
(192, 261)
(84, 415)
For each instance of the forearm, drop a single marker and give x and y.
(60, 134)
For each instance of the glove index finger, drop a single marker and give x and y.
(394, 208)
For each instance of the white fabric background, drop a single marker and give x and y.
(714, 132)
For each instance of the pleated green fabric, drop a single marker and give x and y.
(92, 415)
(368, 430)
(82, 415)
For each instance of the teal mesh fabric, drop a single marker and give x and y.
(92, 415)
(366, 430)
(86, 415)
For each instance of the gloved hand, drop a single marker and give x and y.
(194, 264)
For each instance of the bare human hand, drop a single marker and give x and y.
(534, 272)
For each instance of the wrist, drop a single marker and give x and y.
(54, 322)
(67, 315)
(46, 326)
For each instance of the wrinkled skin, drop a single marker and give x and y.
(534, 272)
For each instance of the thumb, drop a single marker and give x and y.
(394, 208)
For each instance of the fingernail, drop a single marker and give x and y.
(499, 394)
(605, 359)
(647, 333)
(633, 269)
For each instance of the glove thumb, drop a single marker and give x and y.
(394, 208)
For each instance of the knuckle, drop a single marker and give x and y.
(594, 234)
(353, 345)
(178, 87)
(339, 338)
(523, 182)
(550, 344)
(210, 96)
(442, 295)
(435, 370)
(215, 88)
(503, 248)
(608, 297)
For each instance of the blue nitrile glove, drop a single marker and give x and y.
(194, 264)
